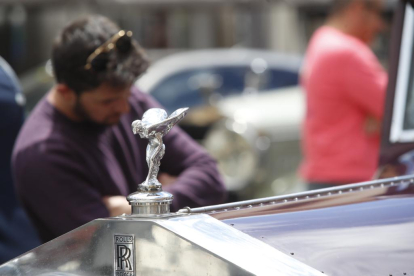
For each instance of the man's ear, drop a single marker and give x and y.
(67, 94)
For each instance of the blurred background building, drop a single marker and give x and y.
(27, 27)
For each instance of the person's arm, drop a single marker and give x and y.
(117, 205)
(365, 82)
(198, 181)
(57, 189)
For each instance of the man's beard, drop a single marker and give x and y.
(81, 112)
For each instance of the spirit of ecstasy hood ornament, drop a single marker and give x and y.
(150, 199)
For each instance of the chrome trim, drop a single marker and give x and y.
(349, 188)
(186, 245)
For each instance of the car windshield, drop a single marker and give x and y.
(408, 123)
(202, 86)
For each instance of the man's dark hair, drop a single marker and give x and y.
(339, 5)
(78, 40)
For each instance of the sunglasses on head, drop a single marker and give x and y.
(121, 41)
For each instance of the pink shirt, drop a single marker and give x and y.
(345, 84)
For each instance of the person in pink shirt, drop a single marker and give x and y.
(345, 89)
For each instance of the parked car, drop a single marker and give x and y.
(246, 109)
(356, 229)
(257, 142)
(196, 78)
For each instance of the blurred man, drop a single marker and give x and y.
(345, 89)
(17, 235)
(76, 157)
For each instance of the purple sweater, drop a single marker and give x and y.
(62, 169)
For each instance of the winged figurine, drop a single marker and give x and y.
(154, 125)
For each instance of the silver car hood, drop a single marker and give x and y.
(175, 245)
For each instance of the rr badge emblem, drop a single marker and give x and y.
(124, 249)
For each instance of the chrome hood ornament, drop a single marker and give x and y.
(155, 123)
